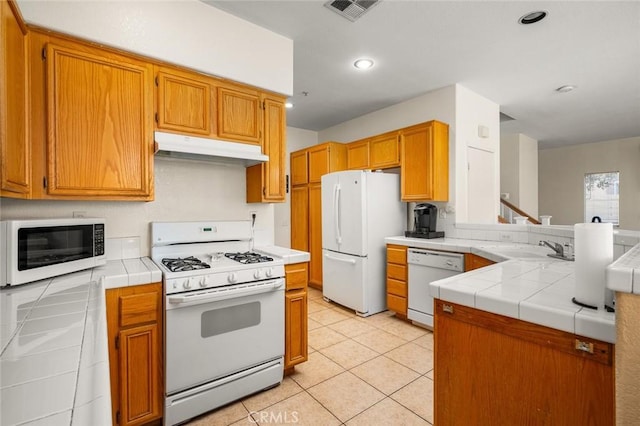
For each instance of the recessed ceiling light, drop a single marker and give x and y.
(532, 17)
(565, 89)
(363, 64)
(288, 105)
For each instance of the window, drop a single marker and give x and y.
(602, 197)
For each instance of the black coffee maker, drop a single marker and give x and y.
(425, 217)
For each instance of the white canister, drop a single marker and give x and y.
(593, 244)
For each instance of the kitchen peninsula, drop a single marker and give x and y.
(511, 327)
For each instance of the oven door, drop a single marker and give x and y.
(214, 333)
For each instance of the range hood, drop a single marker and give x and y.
(172, 145)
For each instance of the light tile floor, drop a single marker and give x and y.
(361, 371)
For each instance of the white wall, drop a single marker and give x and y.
(481, 205)
(185, 32)
(510, 166)
(561, 179)
(296, 139)
(519, 171)
(184, 191)
(529, 175)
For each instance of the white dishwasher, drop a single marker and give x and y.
(426, 266)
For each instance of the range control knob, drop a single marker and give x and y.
(232, 278)
(257, 274)
(269, 272)
(204, 281)
(186, 284)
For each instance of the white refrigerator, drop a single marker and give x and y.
(359, 209)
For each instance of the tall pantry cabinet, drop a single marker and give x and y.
(307, 167)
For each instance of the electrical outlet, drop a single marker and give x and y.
(505, 236)
(79, 214)
(442, 213)
(253, 214)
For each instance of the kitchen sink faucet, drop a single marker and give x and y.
(557, 248)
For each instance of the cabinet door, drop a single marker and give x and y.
(14, 147)
(300, 218)
(134, 327)
(295, 308)
(100, 124)
(239, 114)
(385, 151)
(358, 155)
(139, 367)
(184, 103)
(498, 357)
(315, 236)
(298, 165)
(424, 162)
(318, 163)
(266, 181)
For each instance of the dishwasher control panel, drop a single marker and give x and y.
(436, 259)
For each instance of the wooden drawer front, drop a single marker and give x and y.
(399, 288)
(399, 272)
(397, 304)
(297, 275)
(397, 255)
(138, 309)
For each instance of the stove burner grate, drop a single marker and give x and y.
(248, 257)
(184, 264)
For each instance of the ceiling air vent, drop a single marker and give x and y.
(351, 9)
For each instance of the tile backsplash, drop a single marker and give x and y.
(623, 240)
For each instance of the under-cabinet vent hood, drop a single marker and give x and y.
(194, 148)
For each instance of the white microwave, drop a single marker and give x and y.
(32, 250)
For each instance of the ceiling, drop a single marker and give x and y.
(419, 46)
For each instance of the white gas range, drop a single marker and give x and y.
(224, 327)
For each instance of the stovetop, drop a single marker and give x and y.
(203, 255)
(197, 272)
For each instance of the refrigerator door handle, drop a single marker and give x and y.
(338, 221)
(351, 261)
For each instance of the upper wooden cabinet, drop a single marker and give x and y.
(299, 168)
(266, 181)
(424, 162)
(99, 124)
(239, 114)
(358, 155)
(184, 102)
(326, 158)
(14, 144)
(384, 151)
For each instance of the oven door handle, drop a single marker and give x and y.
(215, 295)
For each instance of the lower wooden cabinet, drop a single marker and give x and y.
(473, 261)
(134, 326)
(397, 291)
(295, 315)
(495, 370)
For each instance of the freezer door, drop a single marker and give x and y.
(344, 217)
(343, 280)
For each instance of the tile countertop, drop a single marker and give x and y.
(54, 362)
(286, 254)
(525, 284)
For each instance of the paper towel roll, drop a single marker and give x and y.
(593, 243)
